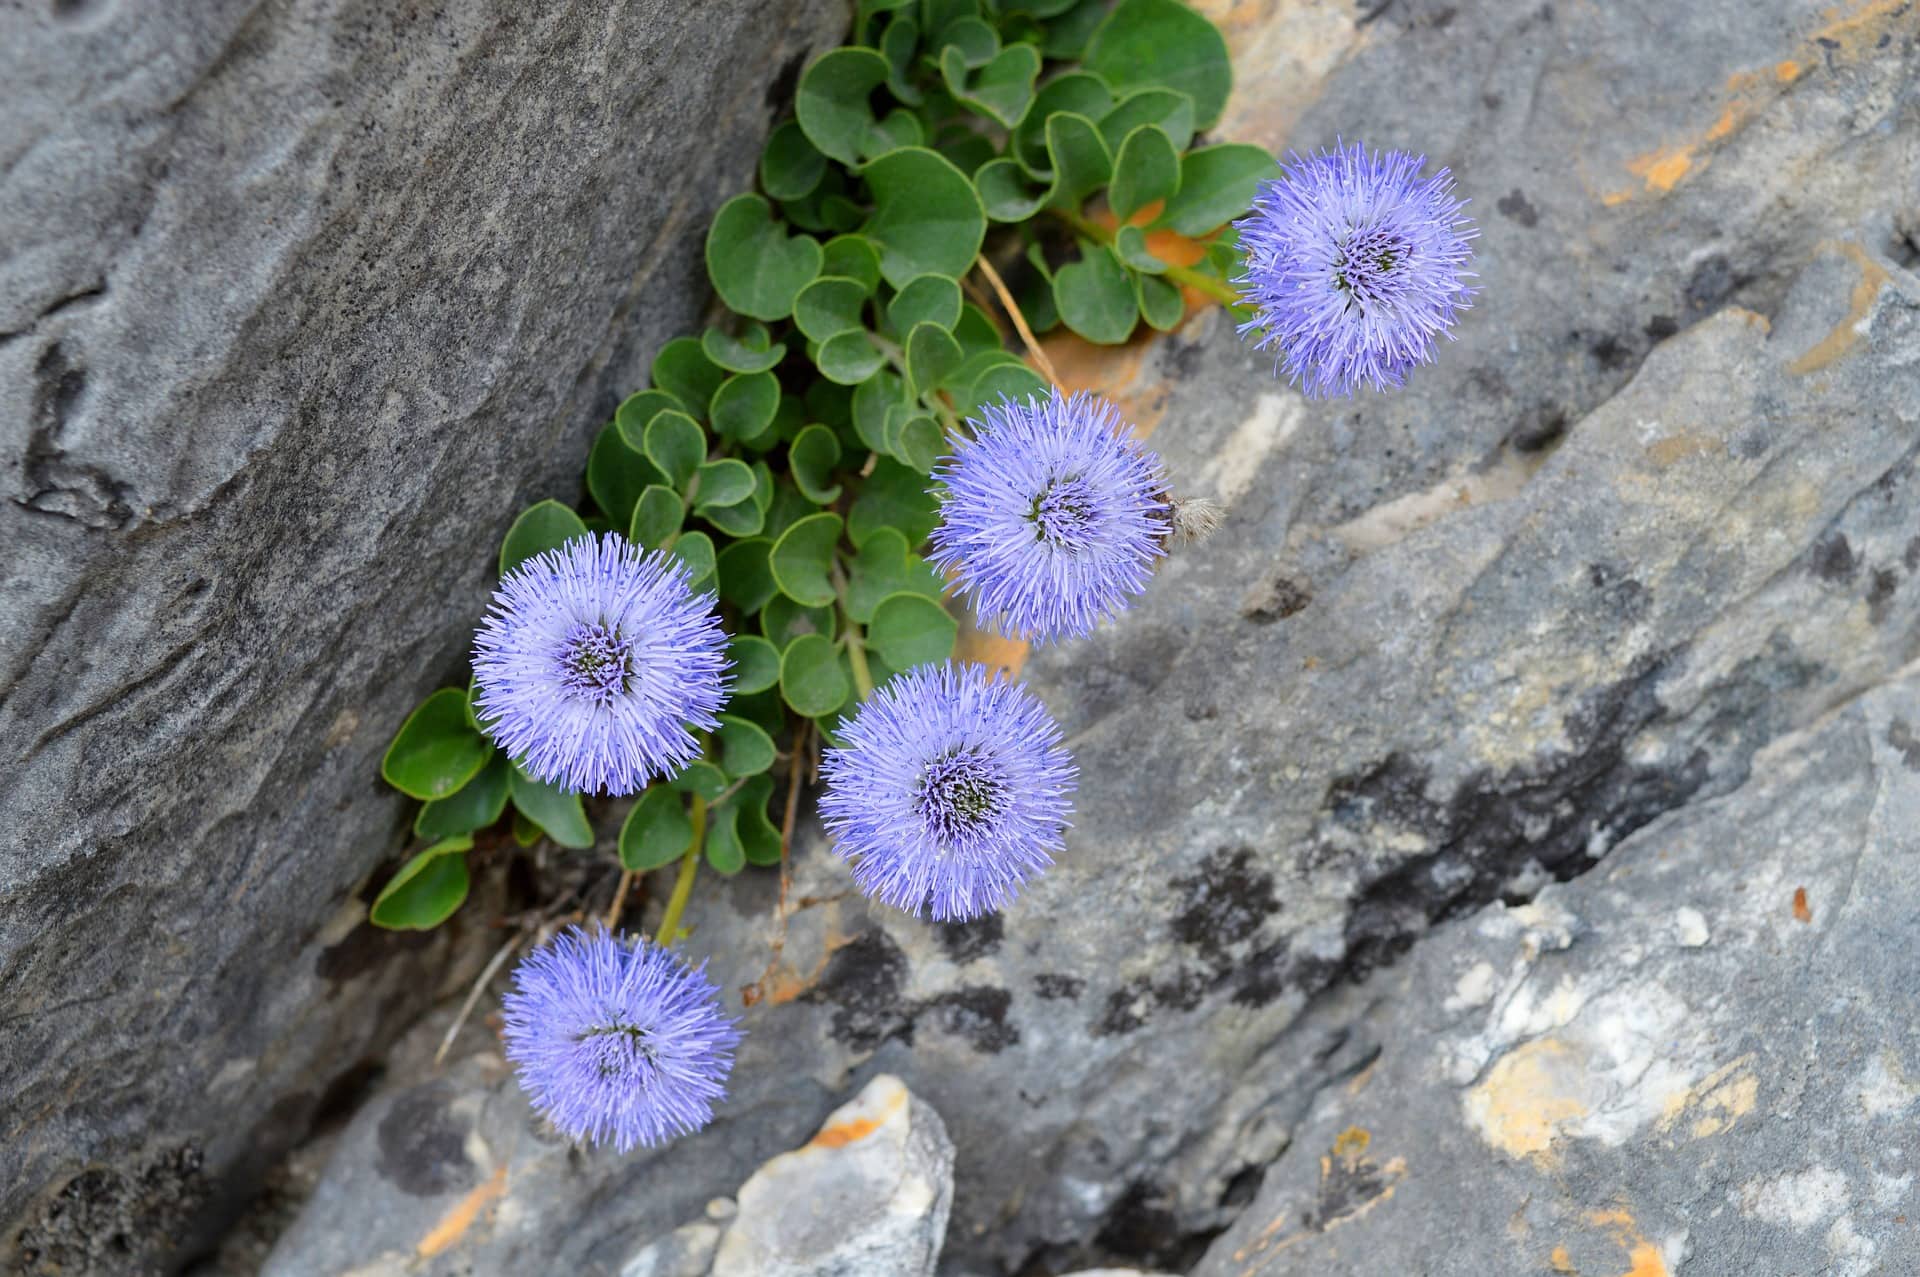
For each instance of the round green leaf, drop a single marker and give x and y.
(702, 778)
(1160, 302)
(657, 831)
(830, 305)
(1095, 296)
(676, 445)
(745, 750)
(782, 620)
(695, 549)
(1081, 162)
(743, 408)
(1002, 89)
(476, 804)
(756, 664)
(976, 333)
(916, 442)
(1217, 184)
(544, 526)
(927, 299)
(898, 128)
(742, 519)
(1164, 44)
(831, 101)
(897, 46)
(1147, 169)
(756, 267)
(656, 517)
(556, 811)
(848, 358)
(911, 629)
(1067, 35)
(758, 836)
(617, 475)
(1130, 242)
(1079, 92)
(1014, 382)
(726, 855)
(892, 497)
(803, 557)
(932, 354)
(427, 889)
(811, 680)
(927, 220)
(1169, 109)
(811, 457)
(436, 750)
(886, 566)
(525, 832)
(724, 482)
(969, 39)
(850, 257)
(639, 410)
(751, 351)
(1005, 193)
(683, 370)
(790, 166)
(745, 580)
(871, 400)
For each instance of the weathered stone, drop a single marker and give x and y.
(1696, 1059)
(299, 304)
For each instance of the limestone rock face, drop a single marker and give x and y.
(300, 303)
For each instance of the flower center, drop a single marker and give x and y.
(617, 1050)
(595, 662)
(1063, 514)
(1366, 265)
(961, 793)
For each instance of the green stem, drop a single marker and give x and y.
(1218, 289)
(856, 644)
(683, 884)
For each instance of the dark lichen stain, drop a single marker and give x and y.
(109, 1221)
(967, 941)
(1832, 559)
(1514, 205)
(1880, 594)
(1541, 428)
(1185, 358)
(1224, 903)
(1712, 282)
(977, 1013)
(863, 982)
(1613, 354)
(1900, 736)
(1124, 1010)
(1278, 599)
(1661, 327)
(1620, 597)
(1057, 987)
(1349, 1182)
(423, 1143)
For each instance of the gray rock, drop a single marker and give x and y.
(1698, 1058)
(299, 305)
(1652, 512)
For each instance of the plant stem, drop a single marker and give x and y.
(683, 884)
(856, 645)
(1218, 289)
(1019, 321)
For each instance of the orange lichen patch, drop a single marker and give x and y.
(1560, 1261)
(1837, 342)
(1787, 71)
(1529, 1098)
(454, 1224)
(1717, 1101)
(845, 1133)
(1664, 168)
(1801, 913)
(1643, 1257)
(1350, 1144)
(1351, 1184)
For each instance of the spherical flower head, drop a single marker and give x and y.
(951, 791)
(595, 664)
(1052, 516)
(1354, 263)
(616, 1040)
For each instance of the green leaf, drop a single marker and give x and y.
(965, 149)
(975, 332)
(1147, 169)
(726, 855)
(914, 439)
(897, 46)
(427, 889)
(1095, 296)
(724, 482)
(927, 299)
(1068, 34)
(700, 777)
(782, 620)
(1015, 382)
(849, 257)
(1081, 161)
(557, 811)
(476, 804)
(743, 408)
(803, 557)
(1161, 304)
(871, 400)
(972, 41)
(756, 663)
(656, 832)
(750, 352)
(525, 832)
(546, 525)
(1131, 245)
(788, 508)
(811, 680)
(829, 306)
(1217, 184)
(932, 353)
(927, 219)
(695, 549)
(745, 580)
(811, 458)
(1002, 89)
(676, 445)
(910, 630)
(656, 517)
(832, 101)
(745, 750)
(617, 475)
(742, 519)
(790, 166)
(900, 128)
(848, 358)
(892, 497)
(1170, 109)
(1078, 92)
(683, 370)
(758, 837)
(1005, 193)
(639, 410)
(1164, 44)
(473, 699)
(756, 267)
(886, 566)
(436, 751)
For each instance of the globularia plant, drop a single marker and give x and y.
(770, 534)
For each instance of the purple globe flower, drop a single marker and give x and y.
(951, 791)
(1354, 263)
(618, 1040)
(595, 662)
(1052, 516)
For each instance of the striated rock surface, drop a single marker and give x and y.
(300, 302)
